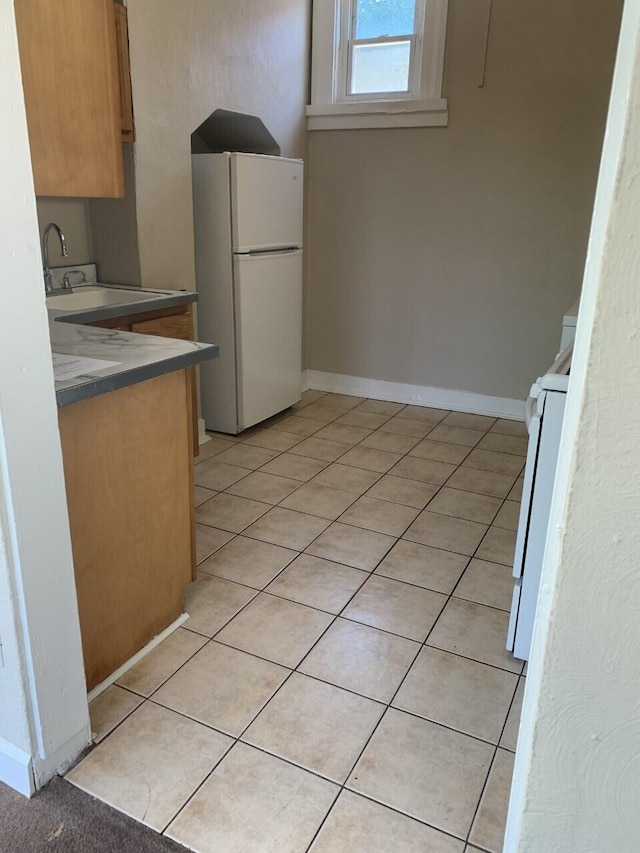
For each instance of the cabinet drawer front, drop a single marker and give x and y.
(177, 326)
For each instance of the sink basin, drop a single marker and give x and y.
(85, 298)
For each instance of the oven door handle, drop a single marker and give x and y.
(532, 404)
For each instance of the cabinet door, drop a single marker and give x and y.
(70, 78)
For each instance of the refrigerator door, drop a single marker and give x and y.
(268, 305)
(266, 202)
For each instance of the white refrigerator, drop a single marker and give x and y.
(248, 243)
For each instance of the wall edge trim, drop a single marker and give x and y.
(418, 395)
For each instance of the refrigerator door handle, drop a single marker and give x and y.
(269, 253)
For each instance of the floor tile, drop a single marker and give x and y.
(446, 532)
(200, 495)
(343, 401)
(151, 764)
(343, 433)
(296, 467)
(516, 492)
(254, 803)
(222, 687)
(491, 820)
(160, 664)
(267, 488)
(229, 512)
(301, 426)
(461, 694)
(211, 448)
(278, 630)
(403, 491)
(320, 448)
(316, 499)
(491, 460)
(509, 516)
(396, 443)
(506, 427)
(482, 482)
(381, 516)
(380, 407)
(394, 606)
(358, 825)
(487, 583)
(370, 459)
(347, 478)
(476, 632)
(246, 456)
(315, 725)
(424, 413)
(273, 439)
(352, 546)
(321, 411)
(318, 583)
(109, 709)
(209, 540)
(287, 528)
(457, 435)
(422, 565)
(368, 420)
(424, 770)
(466, 421)
(218, 475)
(426, 470)
(248, 561)
(361, 659)
(504, 444)
(509, 737)
(498, 546)
(211, 602)
(468, 505)
(403, 426)
(440, 451)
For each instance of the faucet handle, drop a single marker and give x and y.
(66, 279)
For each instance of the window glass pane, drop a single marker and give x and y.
(380, 67)
(375, 18)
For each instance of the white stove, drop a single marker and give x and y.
(545, 414)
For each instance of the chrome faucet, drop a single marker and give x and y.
(48, 279)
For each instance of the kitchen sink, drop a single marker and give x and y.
(90, 296)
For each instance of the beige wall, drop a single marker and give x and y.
(188, 59)
(447, 256)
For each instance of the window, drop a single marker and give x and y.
(377, 63)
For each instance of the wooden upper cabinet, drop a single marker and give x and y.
(71, 86)
(124, 72)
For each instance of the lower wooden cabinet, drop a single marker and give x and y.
(176, 322)
(129, 480)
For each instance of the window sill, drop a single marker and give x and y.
(378, 114)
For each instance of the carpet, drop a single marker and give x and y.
(61, 817)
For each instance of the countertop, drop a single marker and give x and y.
(135, 357)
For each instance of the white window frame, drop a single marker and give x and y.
(333, 108)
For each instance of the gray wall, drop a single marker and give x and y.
(446, 256)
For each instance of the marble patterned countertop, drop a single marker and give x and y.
(132, 357)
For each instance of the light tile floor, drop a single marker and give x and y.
(342, 683)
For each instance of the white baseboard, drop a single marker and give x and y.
(417, 395)
(137, 657)
(203, 438)
(15, 769)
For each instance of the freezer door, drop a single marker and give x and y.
(268, 304)
(266, 202)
